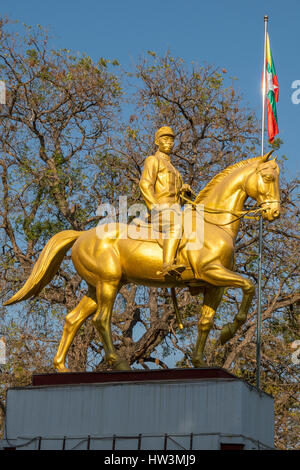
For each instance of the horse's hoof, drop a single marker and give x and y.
(226, 333)
(198, 362)
(59, 367)
(121, 365)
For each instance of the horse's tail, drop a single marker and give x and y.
(46, 266)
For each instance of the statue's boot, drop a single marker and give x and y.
(170, 245)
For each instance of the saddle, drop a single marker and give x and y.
(141, 230)
(144, 231)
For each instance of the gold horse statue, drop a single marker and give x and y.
(108, 263)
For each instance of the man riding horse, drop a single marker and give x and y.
(161, 186)
(110, 262)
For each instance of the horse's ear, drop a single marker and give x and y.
(266, 157)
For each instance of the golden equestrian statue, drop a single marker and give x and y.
(107, 263)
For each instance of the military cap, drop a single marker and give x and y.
(165, 130)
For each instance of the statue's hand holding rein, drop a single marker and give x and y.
(186, 189)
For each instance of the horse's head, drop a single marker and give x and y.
(263, 186)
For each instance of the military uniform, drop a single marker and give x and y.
(160, 182)
(161, 185)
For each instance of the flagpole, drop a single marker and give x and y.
(258, 326)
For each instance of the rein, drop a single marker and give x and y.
(244, 213)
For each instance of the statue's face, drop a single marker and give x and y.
(165, 144)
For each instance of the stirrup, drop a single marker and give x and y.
(172, 270)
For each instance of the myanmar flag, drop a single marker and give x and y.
(272, 93)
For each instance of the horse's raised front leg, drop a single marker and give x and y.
(106, 292)
(219, 276)
(211, 301)
(86, 307)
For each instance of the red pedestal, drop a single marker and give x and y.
(160, 375)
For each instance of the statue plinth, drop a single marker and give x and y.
(173, 409)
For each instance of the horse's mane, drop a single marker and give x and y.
(220, 176)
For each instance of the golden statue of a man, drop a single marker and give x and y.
(161, 186)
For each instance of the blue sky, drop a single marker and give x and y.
(226, 33)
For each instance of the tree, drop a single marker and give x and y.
(66, 147)
(60, 109)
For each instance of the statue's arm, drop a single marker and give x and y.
(186, 189)
(148, 180)
(185, 192)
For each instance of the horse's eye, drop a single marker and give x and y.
(268, 178)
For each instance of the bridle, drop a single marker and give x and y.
(238, 214)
